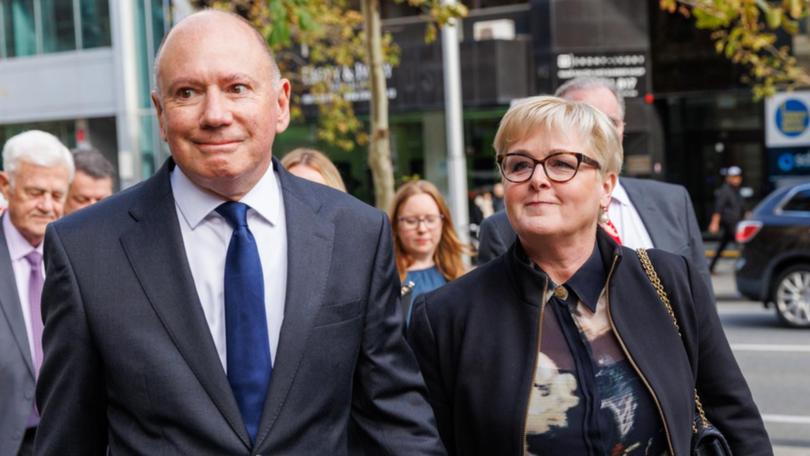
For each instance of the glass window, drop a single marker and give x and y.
(95, 23)
(19, 28)
(800, 202)
(158, 24)
(58, 30)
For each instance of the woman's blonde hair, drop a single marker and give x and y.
(448, 254)
(557, 114)
(317, 161)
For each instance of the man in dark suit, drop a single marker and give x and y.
(644, 213)
(35, 181)
(299, 350)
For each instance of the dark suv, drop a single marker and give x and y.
(774, 264)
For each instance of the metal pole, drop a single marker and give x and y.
(456, 162)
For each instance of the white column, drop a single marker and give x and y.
(456, 162)
(122, 14)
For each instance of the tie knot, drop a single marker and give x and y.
(34, 258)
(234, 212)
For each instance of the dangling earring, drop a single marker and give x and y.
(603, 216)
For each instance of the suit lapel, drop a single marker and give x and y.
(154, 247)
(309, 251)
(650, 213)
(10, 302)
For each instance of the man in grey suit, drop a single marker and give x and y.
(155, 342)
(38, 170)
(645, 213)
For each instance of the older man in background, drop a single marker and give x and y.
(37, 173)
(93, 181)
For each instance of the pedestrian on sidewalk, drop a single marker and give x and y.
(728, 210)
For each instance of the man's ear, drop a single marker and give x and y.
(5, 185)
(159, 114)
(283, 105)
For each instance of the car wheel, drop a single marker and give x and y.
(791, 294)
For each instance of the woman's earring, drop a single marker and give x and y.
(603, 216)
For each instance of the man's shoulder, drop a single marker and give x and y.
(497, 220)
(634, 184)
(327, 199)
(104, 212)
(649, 188)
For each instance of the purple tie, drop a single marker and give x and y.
(35, 281)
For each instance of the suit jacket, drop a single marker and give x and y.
(480, 385)
(16, 367)
(665, 209)
(130, 361)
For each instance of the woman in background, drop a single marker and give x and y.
(313, 165)
(428, 251)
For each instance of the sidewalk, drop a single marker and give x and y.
(725, 288)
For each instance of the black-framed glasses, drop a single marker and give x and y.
(559, 167)
(412, 222)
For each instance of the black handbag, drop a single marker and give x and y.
(707, 440)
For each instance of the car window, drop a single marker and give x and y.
(799, 202)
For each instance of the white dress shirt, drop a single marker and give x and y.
(627, 221)
(18, 248)
(206, 236)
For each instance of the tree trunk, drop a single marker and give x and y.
(379, 147)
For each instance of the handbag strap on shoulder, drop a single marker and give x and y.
(662, 295)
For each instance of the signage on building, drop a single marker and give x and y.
(789, 162)
(350, 81)
(627, 69)
(787, 120)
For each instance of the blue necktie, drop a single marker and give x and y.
(249, 363)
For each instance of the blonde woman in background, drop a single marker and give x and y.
(428, 251)
(313, 165)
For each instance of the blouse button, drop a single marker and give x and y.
(561, 293)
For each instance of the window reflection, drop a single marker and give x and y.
(58, 31)
(95, 16)
(19, 27)
(29, 27)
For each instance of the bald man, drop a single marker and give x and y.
(210, 310)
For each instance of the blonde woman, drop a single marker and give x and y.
(313, 165)
(562, 345)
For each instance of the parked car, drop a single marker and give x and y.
(774, 262)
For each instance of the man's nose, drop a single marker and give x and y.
(47, 203)
(216, 111)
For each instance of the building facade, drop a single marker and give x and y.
(81, 69)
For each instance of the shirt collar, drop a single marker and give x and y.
(619, 195)
(196, 204)
(18, 247)
(589, 281)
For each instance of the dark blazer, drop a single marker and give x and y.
(476, 341)
(130, 361)
(16, 367)
(665, 209)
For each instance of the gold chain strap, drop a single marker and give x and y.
(662, 295)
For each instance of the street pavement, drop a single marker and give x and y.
(775, 361)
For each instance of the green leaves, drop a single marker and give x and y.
(745, 31)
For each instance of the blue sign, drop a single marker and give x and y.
(794, 161)
(792, 117)
(786, 162)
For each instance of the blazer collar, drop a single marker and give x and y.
(647, 208)
(310, 239)
(10, 301)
